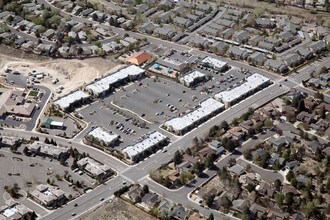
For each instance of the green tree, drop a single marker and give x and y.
(279, 198)
(319, 95)
(247, 154)
(198, 168)
(225, 202)
(301, 106)
(145, 189)
(211, 217)
(188, 151)
(209, 161)
(309, 209)
(25, 150)
(224, 125)
(177, 157)
(290, 175)
(277, 184)
(268, 123)
(322, 112)
(209, 200)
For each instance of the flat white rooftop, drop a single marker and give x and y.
(104, 84)
(215, 63)
(153, 139)
(191, 77)
(252, 82)
(10, 211)
(65, 101)
(206, 108)
(103, 135)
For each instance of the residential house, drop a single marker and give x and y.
(276, 66)
(294, 42)
(282, 48)
(226, 34)
(135, 194)
(274, 157)
(182, 22)
(49, 33)
(291, 165)
(150, 199)
(258, 210)
(293, 59)
(266, 190)
(236, 170)
(225, 22)
(241, 36)
(266, 46)
(203, 153)
(302, 180)
(238, 53)
(164, 207)
(254, 40)
(297, 216)
(317, 46)
(219, 47)
(286, 188)
(205, 193)
(265, 23)
(274, 41)
(321, 32)
(304, 53)
(257, 59)
(179, 213)
(286, 36)
(236, 133)
(204, 7)
(272, 214)
(239, 205)
(305, 117)
(314, 145)
(310, 103)
(247, 126)
(164, 32)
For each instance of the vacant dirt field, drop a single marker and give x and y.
(116, 210)
(71, 73)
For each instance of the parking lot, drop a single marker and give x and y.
(39, 170)
(222, 81)
(158, 101)
(127, 125)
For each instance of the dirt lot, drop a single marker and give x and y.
(70, 73)
(116, 210)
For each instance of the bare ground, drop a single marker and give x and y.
(117, 210)
(71, 73)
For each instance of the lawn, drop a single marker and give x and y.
(33, 93)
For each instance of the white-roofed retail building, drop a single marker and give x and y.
(146, 146)
(214, 64)
(102, 137)
(71, 100)
(192, 78)
(252, 84)
(207, 109)
(106, 84)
